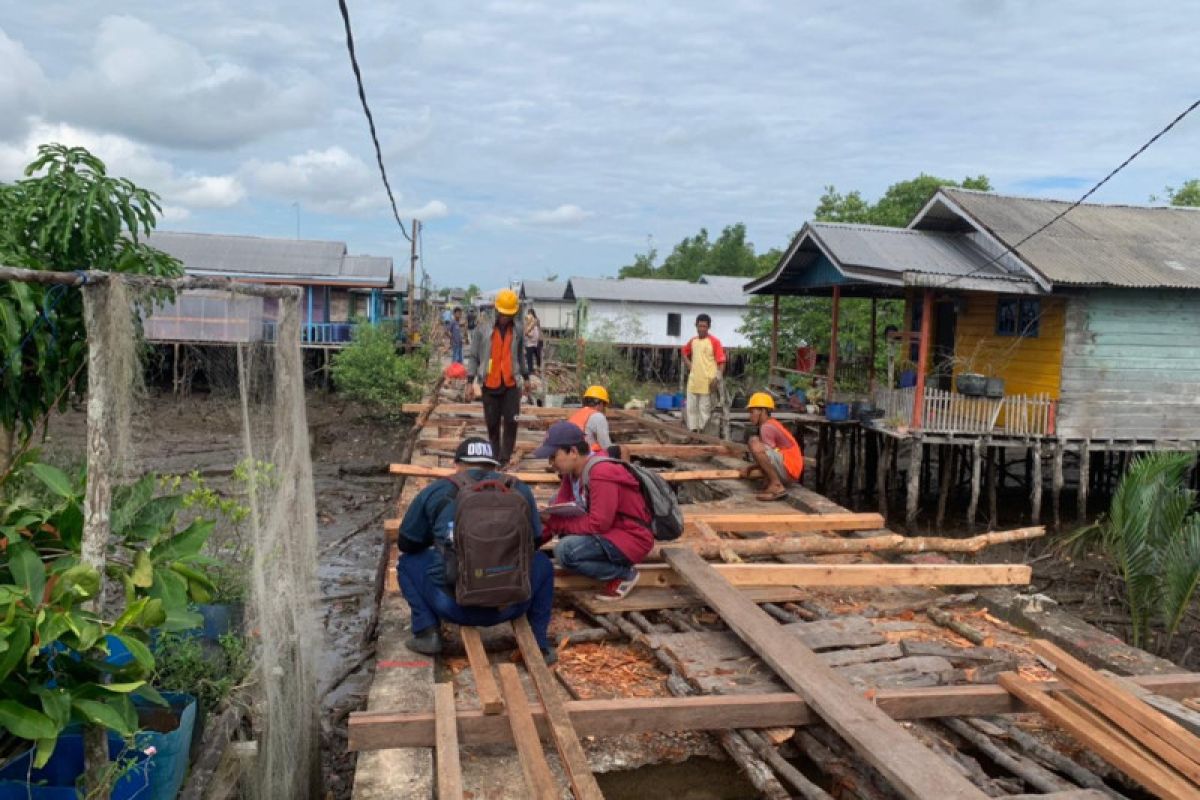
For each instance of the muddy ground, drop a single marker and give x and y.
(350, 452)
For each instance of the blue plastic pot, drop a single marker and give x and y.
(908, 378)
(837, 412)
(664, 402)
(677, 400)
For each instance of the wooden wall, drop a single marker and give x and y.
(1131, 367)
(1029, 365)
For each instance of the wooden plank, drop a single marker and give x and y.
(449, 769)
(1157, 732)
(481, 671)
(467, 409)
(677, 430)
(1107, 746)
(538, 779)
(680, 476)
(652, 598)
(912, 769)
(566, 740)
(376, 730)
(656, 449)
(823, 574)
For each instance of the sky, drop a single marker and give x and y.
(561, 138)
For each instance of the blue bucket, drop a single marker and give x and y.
(664, 402)
(837, 412)
(908, 378)
(677, 400)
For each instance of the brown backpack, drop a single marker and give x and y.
(492, 553)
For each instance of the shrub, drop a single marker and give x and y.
(370, 370)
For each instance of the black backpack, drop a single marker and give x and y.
(666, 520)
(488, 555)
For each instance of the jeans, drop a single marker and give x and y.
(430, 601)
(593, 556)
(456, 352)
(500, 410)
(533, 355)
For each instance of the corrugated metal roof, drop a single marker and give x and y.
(1107, 245)
(272, 259)
(729, 283)
(901, 250)
(652, 290)
(543, 290)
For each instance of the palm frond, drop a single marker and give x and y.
(1181, 574)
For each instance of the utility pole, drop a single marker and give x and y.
(412, 284)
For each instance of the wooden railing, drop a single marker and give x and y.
(949, 412)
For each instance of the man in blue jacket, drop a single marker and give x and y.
(422, 576)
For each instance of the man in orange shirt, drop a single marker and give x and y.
(496, 370)
(591, 420)
(774, 450)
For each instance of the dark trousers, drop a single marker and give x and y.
(429, 600)
(533, 356)
(500, 410)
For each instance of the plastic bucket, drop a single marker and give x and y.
(677, 400)
(837, 412)
(664, 402)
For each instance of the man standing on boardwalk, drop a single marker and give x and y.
(705, 360)
(456, 337)
(496, 369)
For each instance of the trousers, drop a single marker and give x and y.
(500, 409)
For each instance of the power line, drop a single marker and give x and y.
(1013, 248)
(362, 95)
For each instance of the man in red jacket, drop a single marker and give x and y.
(609, 531)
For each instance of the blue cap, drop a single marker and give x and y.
(560, 434)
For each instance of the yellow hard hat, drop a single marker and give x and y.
(507, 302)
(761, 400)
(597, 393)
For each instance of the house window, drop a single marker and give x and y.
(674, 324)
(1018, 317)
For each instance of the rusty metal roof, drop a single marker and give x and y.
(1093, 245)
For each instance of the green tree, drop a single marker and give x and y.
(472, 291)
(66, 214)
(693, 256)
(370, 370)
(898, 205)
(1186, 195)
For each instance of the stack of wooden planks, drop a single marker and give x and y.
(1146, 745)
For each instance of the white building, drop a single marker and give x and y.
(548, 300)
(657, 312)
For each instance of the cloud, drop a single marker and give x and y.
(568, 214)
(158, 88)
(331, 181)
(21, 84)
(434, 209)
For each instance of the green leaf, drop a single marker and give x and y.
(56, 703)
(19, 639)
(106, 713)
(80, 582)
(124, 688)
(187, 542)
(143, 570)
(141, 654)
(45, 749)
(127, 502)
(23, 721)
(153, 517)
(55, 479)
(27, 570)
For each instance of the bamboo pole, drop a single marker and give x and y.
(96, 277)
(893, 543)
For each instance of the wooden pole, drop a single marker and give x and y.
(922, 359)
(412, 284)
(946, 456)
(1084, 477)
(976, 469)
(1035, 499)
(994, 454)
(833, 344)
(1056, 485)
(881, 475)
(774, 332)
(871, 346)
(914, 482)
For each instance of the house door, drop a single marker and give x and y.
(945, 321)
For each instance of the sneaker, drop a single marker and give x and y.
(617, 588)
(550, 656)
(428, 641)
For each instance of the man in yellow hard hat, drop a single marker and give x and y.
(496, 370)
(773, 449)
(591, 420)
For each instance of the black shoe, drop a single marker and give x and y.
(550, 656)
(428, 641)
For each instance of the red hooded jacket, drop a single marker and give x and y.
(616, 510)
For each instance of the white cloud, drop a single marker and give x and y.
(21, 84)
(568, 214)
(159, 88)
(434, 209)
(175, 214)
(330, 180)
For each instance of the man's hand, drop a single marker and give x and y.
(472, 392)
(714, 385)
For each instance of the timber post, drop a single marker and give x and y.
(976, 469)
(918, 408)
(1035, 480)
(914, 481)
(1084, 477)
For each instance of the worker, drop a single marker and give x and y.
(456, 336)
(773, 449)
(591, 420)
(608, 532)
(705, 359)
(497, 371)
(428, 532)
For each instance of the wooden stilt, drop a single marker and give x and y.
(1084, 478)
(881, 475)
(914, 482)
(175, 370)
(976, 470)
(994, 454)
(1035, 480)
(946, 455)
(1056, 485)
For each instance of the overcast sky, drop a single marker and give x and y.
(562, 137)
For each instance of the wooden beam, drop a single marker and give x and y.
(481, 670)
(449, 409)
(911, 768)
(831, 371)
(922, 359)
(538, 780)
(649, 421)
(679, 451)
(379, 730)
(421, 471)
(566, 740)
(824, 574)
(449, 768)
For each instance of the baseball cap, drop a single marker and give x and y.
(475, 450)
(560, 434)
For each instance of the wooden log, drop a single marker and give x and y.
(712, 540)
(1035, 479)
(794, 777)
(881, 474)
(1027, 770)
(1056, 484)
(421, 471)
(566, 740)
(1036, 748)
(914, 482)
(994, 476)
(976, 469)
(377, 730)
(943, 618)
(912, 769)
(946, 456)
(658, 450)
(678, 430)
(481, 670)
(217, 733)
(538, 778)
(1084, 478)
(825, 575)
(476, 409)
(449, 769)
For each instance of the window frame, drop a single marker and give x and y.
(1024, 314)
(677, 318)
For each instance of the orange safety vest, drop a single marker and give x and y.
(793, 458)
(500, 367)
(580, 418)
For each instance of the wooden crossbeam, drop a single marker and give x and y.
(420, 471)
(680, 451)
(481, 670)
(380, 730)
(915, 771)
(448, 409)
(823, 574)
(449, 768)
(538, 779)
(566, 740)
(674, 429)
